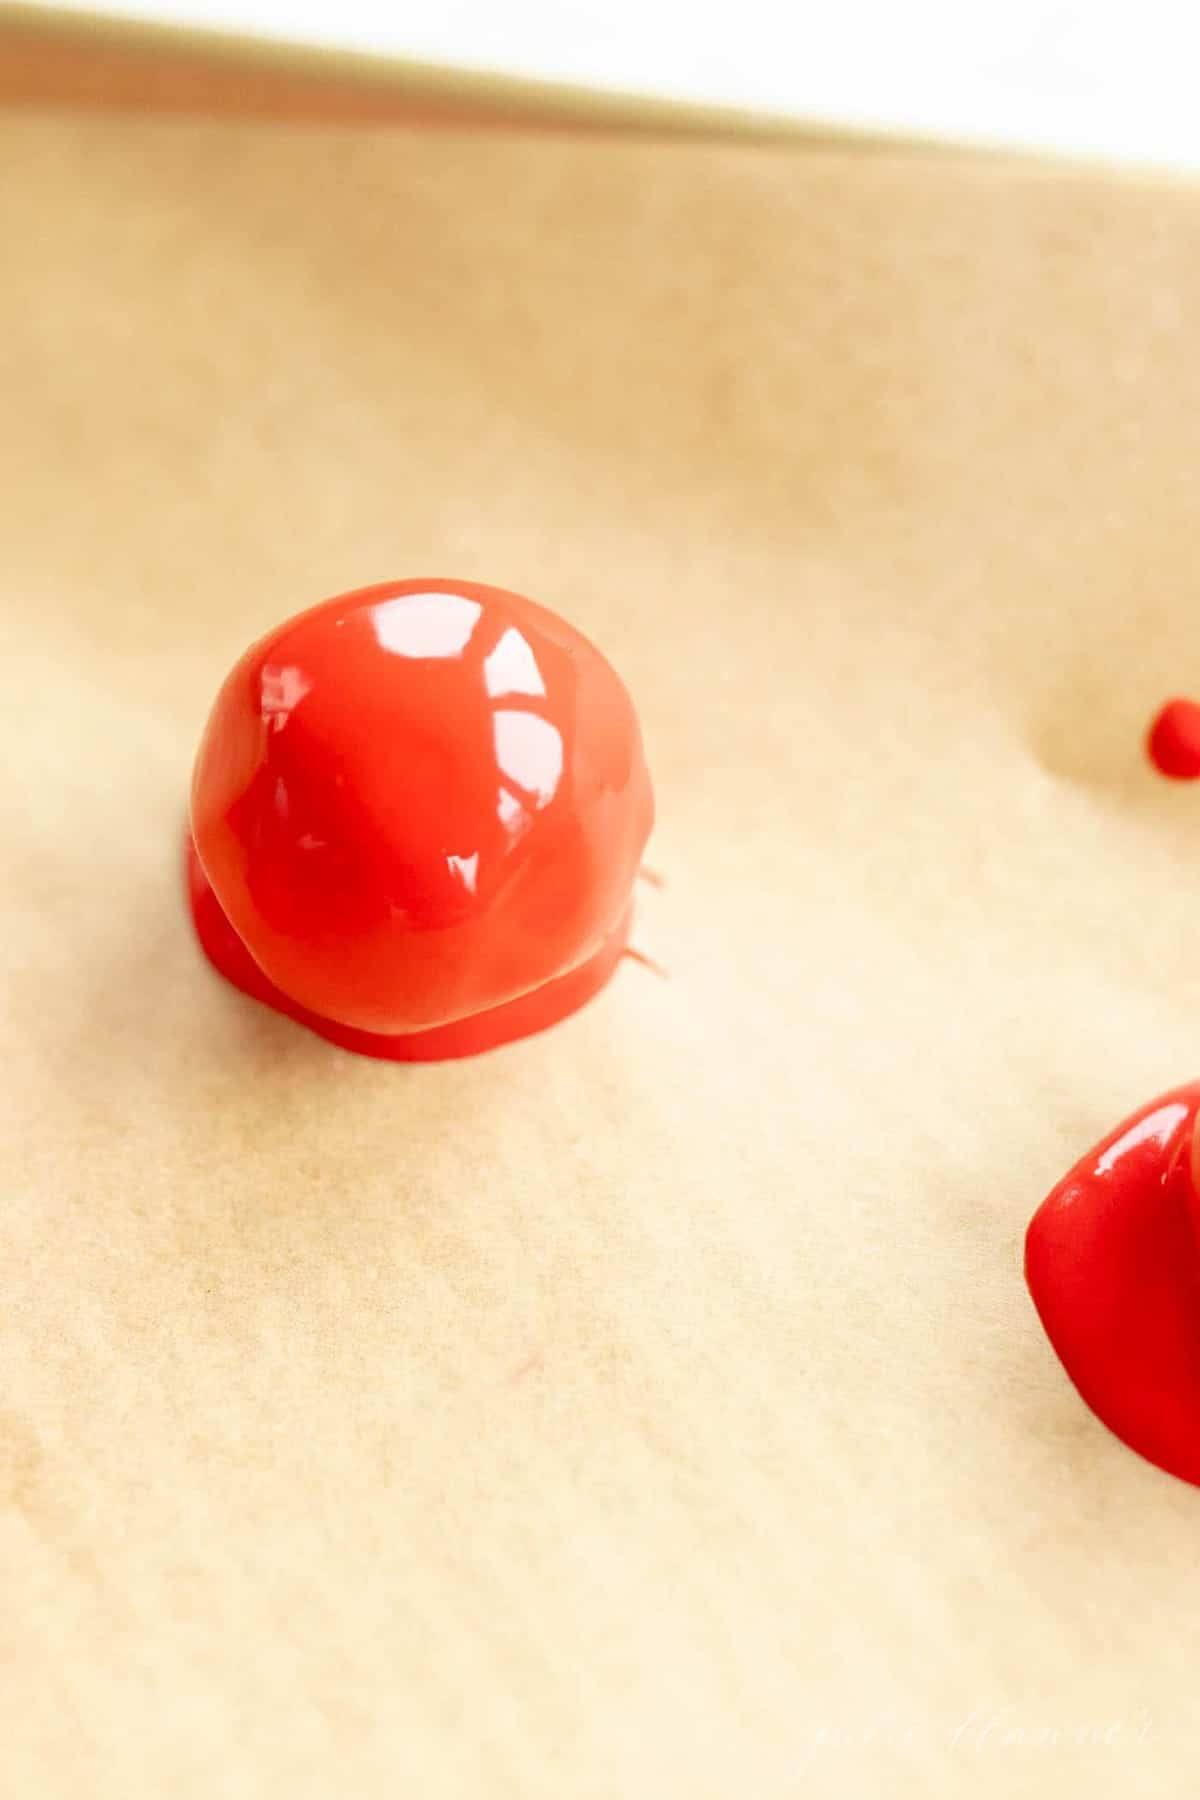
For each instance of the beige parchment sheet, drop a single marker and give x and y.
(654, 1408)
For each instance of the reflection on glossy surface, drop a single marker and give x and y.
(282, 689)
(529, 750)
(512, 667)
(425, 625)
(467, 870)
(417, 803)
(510, 812)
(1112, 1258)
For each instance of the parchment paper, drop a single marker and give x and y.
(653, 1408)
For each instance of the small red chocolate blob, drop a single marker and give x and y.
(417, 815)
(1173, 743)
(1112, 1259)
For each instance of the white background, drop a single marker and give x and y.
(1107, 78)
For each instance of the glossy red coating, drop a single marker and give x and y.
(1173, 743)
(1112, 1259)
(417, 814)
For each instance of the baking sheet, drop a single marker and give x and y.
(653, 1407)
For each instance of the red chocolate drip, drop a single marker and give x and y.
(545, 1006)
(1112, 1259)
(1173, 742)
